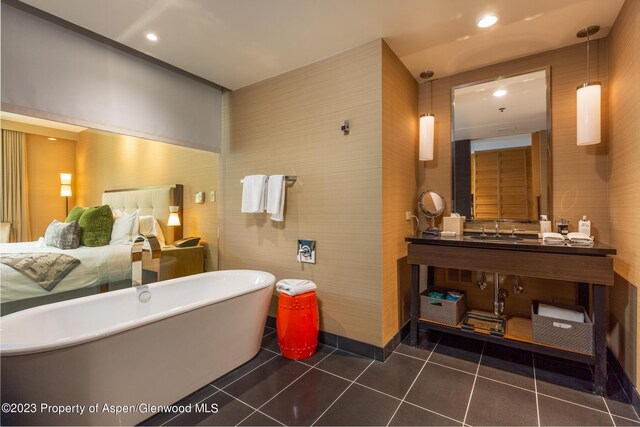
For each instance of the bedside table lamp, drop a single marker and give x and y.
(65, 190)
(174, 222)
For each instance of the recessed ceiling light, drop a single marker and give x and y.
(52, 139)
(500, 92)
(486, 21)
(152, 36)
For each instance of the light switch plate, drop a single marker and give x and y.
(212, 196)
(307, 251)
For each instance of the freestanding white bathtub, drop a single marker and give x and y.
(106, 354)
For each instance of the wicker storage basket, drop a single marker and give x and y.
(565, 334)
(442, 311)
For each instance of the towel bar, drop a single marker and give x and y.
(289, 178)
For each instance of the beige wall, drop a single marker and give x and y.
(580, 174)
(399, 187)
(624, 185)
(45, 161)
(291, 124)
(107, 161)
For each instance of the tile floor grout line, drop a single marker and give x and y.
(609, 410)
(504, 383)
(247, 373)
(319, 361)
(627, 396)
(574, 403)
(535, 386)
(464, 421)
(432, 411)
(254, 409)
(271, 351)
(199, 402)
(343, 392)
(452, 368)
(413, 382)
(413, 357)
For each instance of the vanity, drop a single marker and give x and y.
(584, 266)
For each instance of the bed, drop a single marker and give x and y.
(101, 268)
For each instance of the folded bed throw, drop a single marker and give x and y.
(46, 269)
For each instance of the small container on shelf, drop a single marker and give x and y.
(557, 332)
(443, 305)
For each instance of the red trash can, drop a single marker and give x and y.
(297, 324)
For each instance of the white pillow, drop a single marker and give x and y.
(149, 225)
(125, 228)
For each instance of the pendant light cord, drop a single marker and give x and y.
(588, 62)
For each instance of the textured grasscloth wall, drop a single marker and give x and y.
(624, 185)
(107, 161)
(290, 124)
(399, 187)
(45, 161)
(580, 174)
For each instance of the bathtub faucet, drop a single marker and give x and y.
(142, 243)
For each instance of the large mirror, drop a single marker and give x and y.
(501, 152)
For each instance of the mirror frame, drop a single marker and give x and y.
(547, 70)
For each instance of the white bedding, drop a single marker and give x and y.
(98, 265)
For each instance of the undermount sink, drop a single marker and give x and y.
(506, 238)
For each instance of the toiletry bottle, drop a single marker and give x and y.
(545, 224)
(584, 226)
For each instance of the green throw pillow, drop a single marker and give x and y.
(96, 224)
(75, 214)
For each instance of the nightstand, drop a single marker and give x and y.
(174, 262)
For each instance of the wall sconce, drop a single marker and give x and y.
(427, 128)
(65, 190)
(427, 125)
(174, 218)
(588, 102)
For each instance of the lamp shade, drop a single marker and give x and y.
(174, 218)
(427, 128)
(588, 113)
(65, 190)
(65, 178)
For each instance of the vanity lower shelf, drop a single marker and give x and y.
(518, 334)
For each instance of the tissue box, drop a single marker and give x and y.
(442, 310)
(453, 223)
(565, 334)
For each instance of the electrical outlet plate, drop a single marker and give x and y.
(212, 196)
(307, 251)
(408, 215)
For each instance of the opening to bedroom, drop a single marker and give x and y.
(50, 168)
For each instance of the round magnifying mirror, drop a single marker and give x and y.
(432, 205)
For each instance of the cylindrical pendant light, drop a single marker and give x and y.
(427, 125)
(427, 128)
(588, 98)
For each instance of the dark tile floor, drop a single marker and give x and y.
(447, 381)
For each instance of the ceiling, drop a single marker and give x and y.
(521, 109)
(235, 43)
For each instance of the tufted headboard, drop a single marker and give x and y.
(149, 201)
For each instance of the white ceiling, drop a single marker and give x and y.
(478, 112)
(238, 42)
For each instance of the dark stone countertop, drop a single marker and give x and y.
(506, 243)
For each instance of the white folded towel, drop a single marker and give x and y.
(295, 287)
(560, 313)
(579, 239)
(275, 197)
(552, 238)
(253, 193)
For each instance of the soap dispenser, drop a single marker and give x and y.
(584, 226)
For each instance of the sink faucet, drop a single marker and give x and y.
(481, 228)
(497, 228)
(142, 243)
